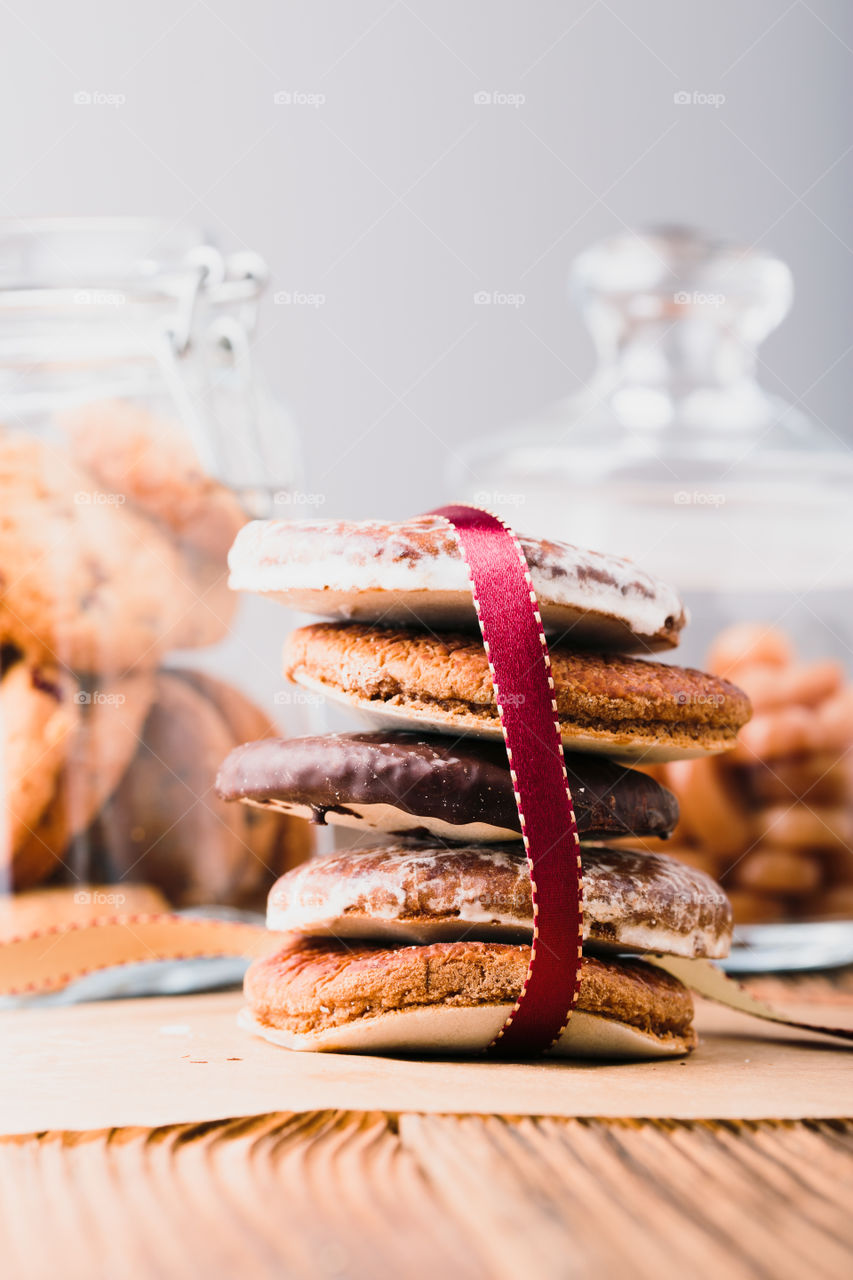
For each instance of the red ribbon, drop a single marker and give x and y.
(515, 645)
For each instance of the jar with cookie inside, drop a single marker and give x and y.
(675, 456)
(136, 438)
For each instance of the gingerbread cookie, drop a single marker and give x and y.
(623, 707)
(426, 891)
(411, 573)
(454, 997)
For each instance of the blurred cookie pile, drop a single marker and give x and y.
(773, 818)
(422, 941)
(112, 556)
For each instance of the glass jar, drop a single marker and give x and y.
(135, 439)
(676, 457)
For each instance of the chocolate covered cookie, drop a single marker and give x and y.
(422, 785)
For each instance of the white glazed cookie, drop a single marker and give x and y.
(411, 573)
(425, 892)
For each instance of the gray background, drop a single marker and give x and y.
(398, 197)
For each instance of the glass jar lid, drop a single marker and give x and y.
(71, 283)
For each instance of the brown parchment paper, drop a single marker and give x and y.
(183, 1059)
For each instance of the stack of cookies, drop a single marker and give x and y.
(421, 942)
(112, 555)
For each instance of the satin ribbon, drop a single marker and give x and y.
(48, 959)
(515, 645)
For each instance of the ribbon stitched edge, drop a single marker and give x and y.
(520, 667)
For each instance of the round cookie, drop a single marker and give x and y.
(749, 644)
(244, 717)
(805, 827)
(411, 572)
(833, 904)
(280, 840)
(151, 462)
(85, 580)
(835, 721)
(164, 824)
(806, 685)
(817, 779)
(777, 735)
(412, 784)
(623, 707)
(38, 718)
(453, 997)
(713, 811)
(96, 756)
(769, 870)
(751, 907)
(420, 892)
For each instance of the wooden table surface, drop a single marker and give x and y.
(358, 1196)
